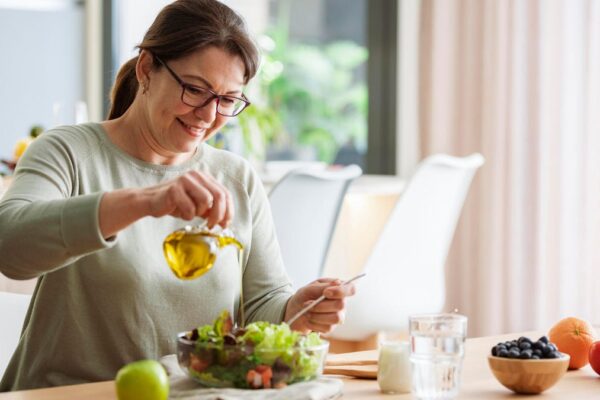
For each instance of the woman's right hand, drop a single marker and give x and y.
(193, 194)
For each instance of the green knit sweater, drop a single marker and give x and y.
(99, 304)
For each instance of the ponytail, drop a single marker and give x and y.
(124, 90)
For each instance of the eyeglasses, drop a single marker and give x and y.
(195, 96)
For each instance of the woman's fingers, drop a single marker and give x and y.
(191, 195)
(185, 206)
(331, 318)
(215, 211)
(200, 196)
(323, 323)
(229, 213)
(334, 288)
(329, 280)
(216, 214)
(339, 291)
(324, 316)
(319, 327)
(328, 306)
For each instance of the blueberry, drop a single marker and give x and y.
(546, 349)
(526, 354)
(552, 347)
(543, 339)
(553, 354)
(495, 351)
(537, 352)
(514, 353)
(524, 345)
(524, 339)
(503, 353)
(535, 357)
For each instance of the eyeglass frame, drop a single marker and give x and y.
(213, 96)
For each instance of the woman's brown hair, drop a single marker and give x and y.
(179, 29)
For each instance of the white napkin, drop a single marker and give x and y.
(183, 387)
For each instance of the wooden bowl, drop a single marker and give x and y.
(528, 376)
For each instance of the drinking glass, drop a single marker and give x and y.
(437, 347)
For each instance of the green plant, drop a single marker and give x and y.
(306, 94)
(258, 125)
(261, 121)
(316, 90)
(319, 98)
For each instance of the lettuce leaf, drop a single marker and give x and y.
(269, 344)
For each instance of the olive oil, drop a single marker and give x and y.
(241, 314)
(192, 251)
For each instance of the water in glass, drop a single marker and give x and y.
(436, 366)
(437, 351)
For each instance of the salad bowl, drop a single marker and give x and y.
(261, 355)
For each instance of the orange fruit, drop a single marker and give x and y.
(573, 336)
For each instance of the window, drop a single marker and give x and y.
(311, 98)
(311, 89)
(43, 71)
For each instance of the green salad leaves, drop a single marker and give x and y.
(261, 355)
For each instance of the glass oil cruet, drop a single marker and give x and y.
(192, 251)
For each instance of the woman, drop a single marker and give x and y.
(75, 214)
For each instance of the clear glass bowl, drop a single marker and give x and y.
(243, 366)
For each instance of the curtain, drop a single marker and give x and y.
(518, 81)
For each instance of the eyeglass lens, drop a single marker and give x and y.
(199, 97)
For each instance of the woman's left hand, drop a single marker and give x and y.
(325, 315)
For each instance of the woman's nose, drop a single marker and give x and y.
(207, 113)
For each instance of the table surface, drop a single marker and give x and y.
(477, 382)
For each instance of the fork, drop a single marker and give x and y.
(318, 300)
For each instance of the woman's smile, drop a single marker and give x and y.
(192, 130)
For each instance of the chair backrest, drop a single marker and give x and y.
(405, 271)
(13, 308)
(305, 204)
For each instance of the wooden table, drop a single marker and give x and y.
(477, 382)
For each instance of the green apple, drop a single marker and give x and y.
(142, 380)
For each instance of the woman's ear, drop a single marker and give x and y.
(143, 68)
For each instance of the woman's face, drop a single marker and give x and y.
(176, 127)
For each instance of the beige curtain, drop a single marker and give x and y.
(518, 81)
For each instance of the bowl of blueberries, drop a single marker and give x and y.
(527, 366)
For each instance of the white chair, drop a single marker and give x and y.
(405, 271)
(305, 204)
(13, 308)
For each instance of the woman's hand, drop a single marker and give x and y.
(325, 315)
(193, 194)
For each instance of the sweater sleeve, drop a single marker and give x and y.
(44, 223)
(266, 285)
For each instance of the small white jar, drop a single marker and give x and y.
(394, 369)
